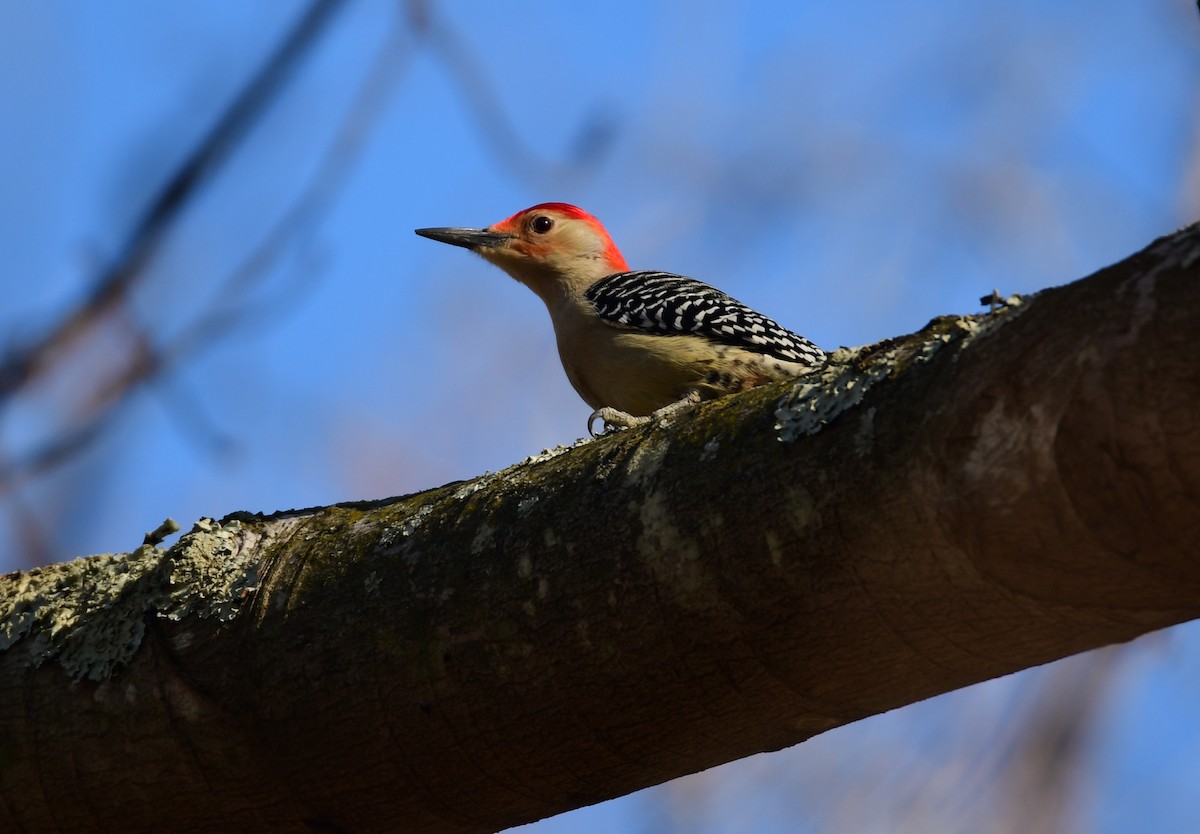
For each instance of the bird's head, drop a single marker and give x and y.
(553, 248)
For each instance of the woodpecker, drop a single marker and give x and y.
(636, 345)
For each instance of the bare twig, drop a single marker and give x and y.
(229, 309)
(466, 71)
(128, 266)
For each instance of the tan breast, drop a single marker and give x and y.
(638, 373)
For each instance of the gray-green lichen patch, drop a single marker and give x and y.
(838, 386)
(550, 454)
(90, 614)
(823, 395)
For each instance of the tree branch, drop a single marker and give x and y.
(989, 494)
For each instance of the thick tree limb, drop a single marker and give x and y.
(992, 493)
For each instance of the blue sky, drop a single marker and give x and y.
(852, 170)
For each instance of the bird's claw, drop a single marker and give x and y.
(611, 418)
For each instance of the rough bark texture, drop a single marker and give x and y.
(992, 493)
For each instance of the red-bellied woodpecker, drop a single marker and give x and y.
(636, 345)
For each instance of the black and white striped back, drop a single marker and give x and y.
(666, 304)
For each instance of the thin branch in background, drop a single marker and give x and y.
(370, 102)
(31, 535)
(1042, 772)
(113, 284)
(230, 309)
(189, 412)
(95, 412)
(593, 139)
(1026, 775)
(1013, 764)
(224, 318)
(56, 451)
(147, 363)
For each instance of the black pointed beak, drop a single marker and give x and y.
(466, 238)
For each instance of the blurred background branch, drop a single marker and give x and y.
(24, 362)
(100, 352)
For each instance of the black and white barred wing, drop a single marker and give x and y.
(668, 304)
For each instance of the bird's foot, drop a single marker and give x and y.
(611, 418)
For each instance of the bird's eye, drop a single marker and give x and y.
(542, 224)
